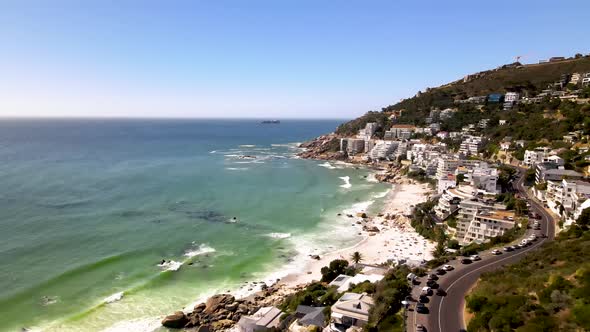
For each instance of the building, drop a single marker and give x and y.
(565, 196)
(449, 200)
(502, 122)
(343, 282)
(520, 143)
(471, 145)
(552, 172)
(483, 123)
(400, 131)
(353, 145)
(446, 114)
(468, 209)
(307, 317)
(495, 98)
(264, 319)
(383, 150)
(536, 156)
(487, 224)
(505, 146)
(485, 178)
(351, 310)
(511, 97)
(575, 79)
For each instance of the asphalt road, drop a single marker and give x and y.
(445, 313)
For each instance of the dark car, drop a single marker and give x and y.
(431, 283)
(421, 308)
(423, 299)
(466, 261)
(432, 277)
(441, 292)
(508, 249)
(440, 272)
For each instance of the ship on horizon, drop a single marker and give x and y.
(270, 122)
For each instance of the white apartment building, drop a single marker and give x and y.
(536, 156)
(563, 197)
(383, 150)
(400, 131)
(485, 178)
(511, 97)
(471, 145)
(487, 224)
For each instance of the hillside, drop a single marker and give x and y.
(549, 290)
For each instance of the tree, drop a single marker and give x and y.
(584, 218)
(336, 268)
(356, 257)
(460, 178)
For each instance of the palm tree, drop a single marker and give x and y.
(356, 257)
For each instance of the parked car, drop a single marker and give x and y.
(448, 267)
(420, 328)
(432, 276)
(507, 249)
(421, 308)
(426, 291)
(431, 283)
(475, 258)
(496, 252)
(466, 261)
(518, 246)
(440, 271)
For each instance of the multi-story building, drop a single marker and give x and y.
(487, 224)
(552, 172)
(485, 178)
(383, 150)
(469, 208)
(563, 196)
(483, 123)
(536, 156)
(471, 145)
(354, 145)
(400, 131)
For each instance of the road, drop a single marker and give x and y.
(446, 312)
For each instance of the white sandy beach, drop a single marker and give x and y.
(395, 240)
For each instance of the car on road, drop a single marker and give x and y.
(432, 277)
(441, 292)
(426, 291)
(440, 272)
(508, 249)
(518, 246)
(496, 252)
(421, 308)
(448, 267)
(466, 261)
(420, 328)
(475, 258)
(423, 299)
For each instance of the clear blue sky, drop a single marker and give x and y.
(249, 58)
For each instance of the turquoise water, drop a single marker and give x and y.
(89, 208)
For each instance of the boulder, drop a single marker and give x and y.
(232, 306)
(222, 324)
(199, 307)
(204, 328)
(176, 320)
(216, 302)
(362, 215)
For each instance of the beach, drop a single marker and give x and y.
(395, 240)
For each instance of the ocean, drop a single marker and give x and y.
(90, 209)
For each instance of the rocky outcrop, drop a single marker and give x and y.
(325, 147)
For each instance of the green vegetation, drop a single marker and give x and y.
(356, 257)
(315, 294)
(388, 295)
(549, 290)
(422, 221)
(336, 268)
(352, 127)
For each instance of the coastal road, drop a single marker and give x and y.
(446, 313)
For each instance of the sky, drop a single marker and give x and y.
(262, 59)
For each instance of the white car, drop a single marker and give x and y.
(475, 258)
(448, 267)
(496, 252)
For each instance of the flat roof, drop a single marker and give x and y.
(502, 215)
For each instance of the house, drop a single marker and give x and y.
(552, 172)
(536, 156)
(520, 143)
(264, 319)
(556, 59)
(510, 99)
(307, 317)
(343, 282)
(495, 98)
(505, 146)
(471, 145)
(351, 310)
(502, 122)
(442, 135)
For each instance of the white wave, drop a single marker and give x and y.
(113, 298)
(214, 151)
(371, 178)
(346, 180)
(237, 168)
(327, 165)
(358, 207)
(381, 195)
(202, 249)
(279, 235)
(170, 265)
(247, 146)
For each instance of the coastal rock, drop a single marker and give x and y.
(199, 308)
(232, 306)
(176, 320)
(204, 328)
(362, 215)
(216, 302)
(222, 324)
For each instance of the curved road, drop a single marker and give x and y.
(446, 313)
